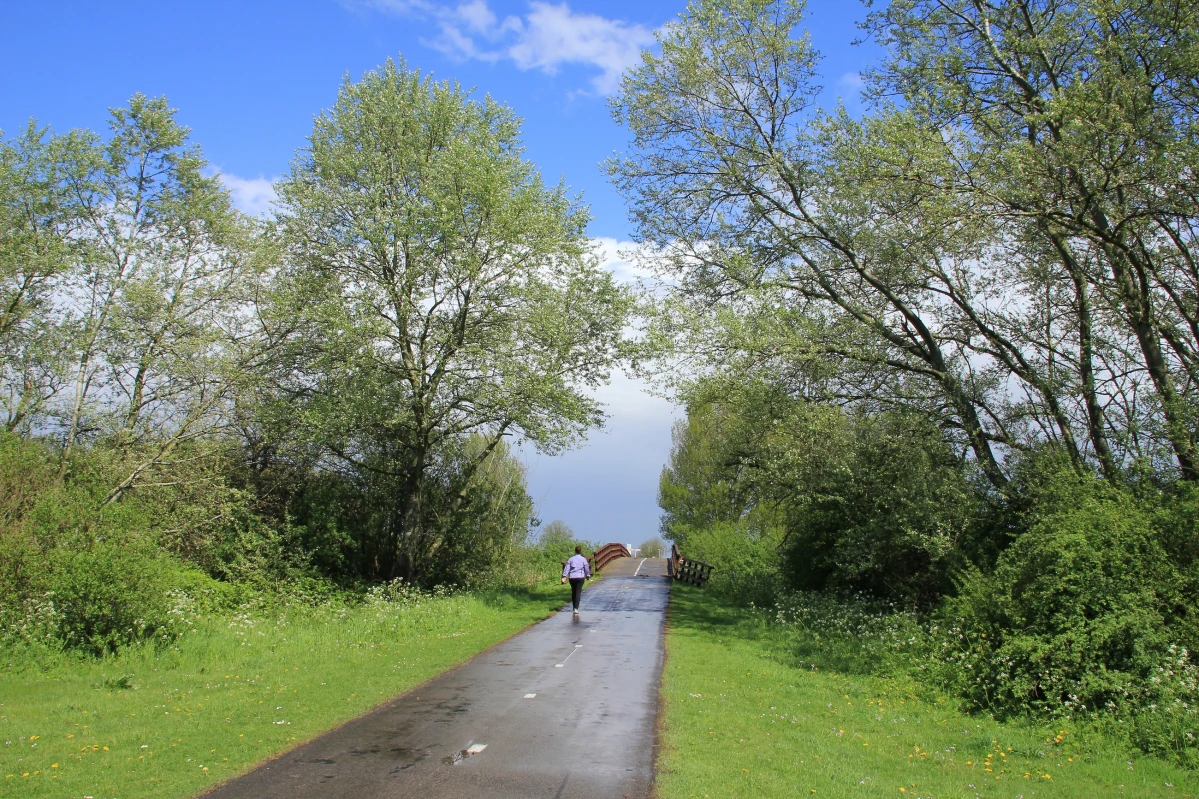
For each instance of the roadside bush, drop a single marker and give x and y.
(99, 599)
(111, 596)
(1080, 615)
(747, 565)
(76, 574)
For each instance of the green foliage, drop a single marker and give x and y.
(480, 512)
(110, 595)
(76, 575)
(746, 559)
(699, 485)
(652, 548)
(556, 535)
(883, 506)
(435, 292)
(1084, 612)
(556, 544)
(490, 524)
(817, 497)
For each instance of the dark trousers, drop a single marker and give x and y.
(576, 591)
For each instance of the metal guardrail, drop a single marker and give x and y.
(687, 571)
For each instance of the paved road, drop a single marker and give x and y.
(564, 710)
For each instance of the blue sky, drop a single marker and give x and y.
(248, 77)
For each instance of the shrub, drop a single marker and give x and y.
(1079, 615)
(747, 566)
(78, 575)
(109, 596)
(98, 600)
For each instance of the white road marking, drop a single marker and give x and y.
(530, 696)
(639, 565)
(563, 663)
(475, 749)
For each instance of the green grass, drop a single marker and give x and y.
(746, 715)
(233, 693)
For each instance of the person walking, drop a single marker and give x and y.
(576, 570)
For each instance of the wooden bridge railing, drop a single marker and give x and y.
(605, 555)
(608, 553)
(687, 571)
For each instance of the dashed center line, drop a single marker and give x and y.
(530, 696)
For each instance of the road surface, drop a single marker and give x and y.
(564, 710)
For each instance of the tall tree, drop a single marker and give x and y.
(36, 221)
(1007, 251)
(1080, 123)
(436, 288)
(154, 301)
(732, 180)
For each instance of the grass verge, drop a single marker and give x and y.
(174, 722)
(744, 716)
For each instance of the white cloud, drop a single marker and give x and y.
(477, 16)
(620, 258)
(553, 35)
(546, 38)
(853, 79)
(253, 196)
